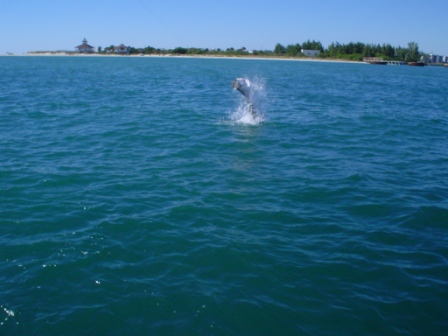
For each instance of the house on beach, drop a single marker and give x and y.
(310, 53)
(121, 49)
(85, 48)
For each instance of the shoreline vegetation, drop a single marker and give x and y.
(167, 55)
(336, 52)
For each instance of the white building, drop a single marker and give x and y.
(310, 53)
(85, 48)
(121, 49)
(437, 59)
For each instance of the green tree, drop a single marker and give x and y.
(293, 50)
(367, 51)
(109, 49)
(413, 53)
(196, 51)
(180, 50)
(149, 50)
(279, 49)
(312, 45)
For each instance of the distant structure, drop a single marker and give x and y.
(374, 60)
(437, 59)
(121, 49)
(310, 53)
(85, 48)
(381, 61)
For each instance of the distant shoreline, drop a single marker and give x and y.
(245, 57)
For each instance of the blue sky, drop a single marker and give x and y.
(29, 25)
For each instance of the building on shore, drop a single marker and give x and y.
(85, 48)
(121, 49)
(437, 59)
(310, 53)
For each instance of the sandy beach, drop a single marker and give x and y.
(245, 57)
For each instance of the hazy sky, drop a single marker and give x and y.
(31, 25)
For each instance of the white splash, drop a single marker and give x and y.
(251, 113)
(8, 312)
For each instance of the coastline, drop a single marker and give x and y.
(245, 57)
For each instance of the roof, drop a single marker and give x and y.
(121, 49)
(84, 45)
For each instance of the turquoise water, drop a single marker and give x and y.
(136, 198)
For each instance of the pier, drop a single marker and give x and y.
(396, 63)
(380, 61)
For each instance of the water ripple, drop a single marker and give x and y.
(132, 202)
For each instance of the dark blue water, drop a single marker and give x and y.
(136, 198)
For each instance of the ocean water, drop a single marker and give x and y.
(138, 197)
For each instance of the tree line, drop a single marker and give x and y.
(354, 51)
(187, 51)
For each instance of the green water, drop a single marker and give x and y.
(137, 198)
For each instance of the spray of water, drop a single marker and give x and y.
(250, 109)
